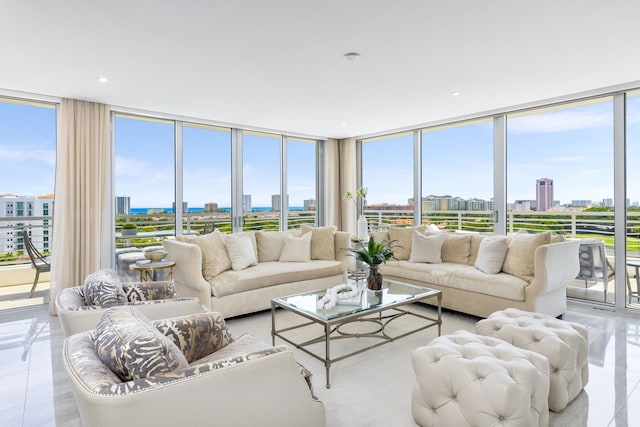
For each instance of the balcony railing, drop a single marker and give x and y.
(154, 228)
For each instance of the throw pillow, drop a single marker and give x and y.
(241, 252)
(296, 248)
(322, 241)
(403, 239)
(456, 248)
(215, 259)
(132, 348)
(432, 228)
(519, 261)
(557, 238)
(269, 245)
(426, 248)
(103, 288)
(491, 254)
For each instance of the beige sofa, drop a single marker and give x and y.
(218, 269)
(531, 276)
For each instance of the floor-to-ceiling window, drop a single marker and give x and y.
(560, 177)
(144, 179)
(206, 177)
(261, 166)
(387, 174)
(457, 176)
(633, 195)
(27, 176)
(301, 181)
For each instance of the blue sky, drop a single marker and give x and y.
(572, 146)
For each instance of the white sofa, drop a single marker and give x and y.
(532, 277)
(206, 266)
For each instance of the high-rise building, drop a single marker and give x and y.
(275, 202)
(123, 205)
(544, 194)
(309, 204)
(211, 206)
(246, 203)
(25, 211)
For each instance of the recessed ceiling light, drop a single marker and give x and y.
(103, 79)
(344, 125)
(456, 93)
(352, 56)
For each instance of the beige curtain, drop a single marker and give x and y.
(81, 217)
(348, 180)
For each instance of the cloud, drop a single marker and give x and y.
(28, 153)
(562, 121)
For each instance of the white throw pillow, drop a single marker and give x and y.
(426, 248)
(491, 254)
(241, 252)
(432, 228)
(296, 248)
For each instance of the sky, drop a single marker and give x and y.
(573, 146)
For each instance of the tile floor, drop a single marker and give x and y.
(34, 389)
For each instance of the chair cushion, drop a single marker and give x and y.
(103, 288)
(132, 348)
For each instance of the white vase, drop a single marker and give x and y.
(363, 228)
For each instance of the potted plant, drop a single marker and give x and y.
(129, 229)
(373, 254)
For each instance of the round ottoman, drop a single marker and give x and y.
(465, 379)
(563, 343)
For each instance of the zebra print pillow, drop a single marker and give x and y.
(103, 288)
(132, 348)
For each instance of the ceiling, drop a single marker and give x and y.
(279, 64)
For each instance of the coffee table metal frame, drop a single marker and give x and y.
(369, 314)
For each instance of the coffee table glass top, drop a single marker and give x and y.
(392, 293)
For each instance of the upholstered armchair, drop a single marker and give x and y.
(80, 308)
(184, 371)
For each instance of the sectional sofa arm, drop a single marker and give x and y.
(556, 265)
(187, 274)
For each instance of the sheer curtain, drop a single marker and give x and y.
(82, 209)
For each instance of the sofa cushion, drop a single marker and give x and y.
(426, 248)
(240, 251)
(456, 248)
(520, 254)
(463, 277)
(491, 254)
(322, 241)
(132, 348)
(474, 246)
(215, 258)
(403, 236)
(272, 273)
(269, 245)
(296, 249)
(103, 288)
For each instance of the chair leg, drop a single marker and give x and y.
(35, 283)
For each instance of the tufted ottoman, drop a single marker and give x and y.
(471, 380)
(563, 343)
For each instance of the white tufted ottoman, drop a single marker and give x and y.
(470, 380)
(563, 343)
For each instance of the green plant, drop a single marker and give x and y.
(358, 196)
(375, 253)
(129, 226)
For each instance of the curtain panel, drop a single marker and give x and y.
(348, 182)
(81, 216)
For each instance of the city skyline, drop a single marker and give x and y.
(574, 146)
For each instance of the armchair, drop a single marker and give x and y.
(80, 310)
(201, 376)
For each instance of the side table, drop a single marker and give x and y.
(146, 269)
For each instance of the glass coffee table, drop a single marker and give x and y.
(379, 308)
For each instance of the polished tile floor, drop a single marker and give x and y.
(34, 389)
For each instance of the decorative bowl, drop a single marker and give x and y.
(155, 255)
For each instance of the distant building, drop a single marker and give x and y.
(16, 212)
(275, 202)
(211, 206)
(544, 194)
(525, 205)
(607, 203)
(442, 203)
(581, 203)
(246, 203)
(123, 205)
(185, 207)
(309, 204)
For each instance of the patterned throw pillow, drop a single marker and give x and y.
(103, 288)
(132, 348)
